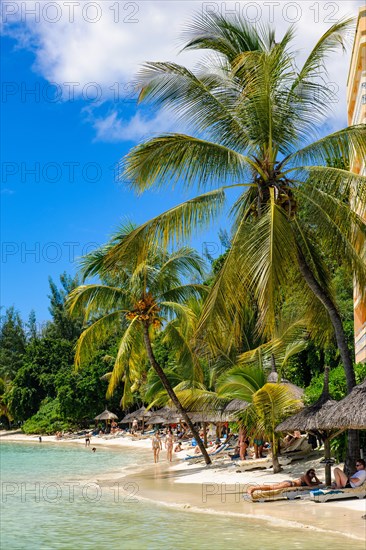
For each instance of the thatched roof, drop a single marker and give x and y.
(157, 419)
(128, 418)
(209, 416)
(310, 418)
(349, 413)
(140, 414)
(296, 391)
(236, 405)
(106, 415)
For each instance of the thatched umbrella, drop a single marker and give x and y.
(157, 419)
(236, 405)
(296, 391)
(127, 419)
(349, 413)
(209, 416)
(310, 419)
(141, 414)
(106, 415)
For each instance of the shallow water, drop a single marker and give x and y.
(50, 499)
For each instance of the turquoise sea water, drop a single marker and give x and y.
(50, 499)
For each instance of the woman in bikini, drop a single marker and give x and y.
(156, 446)
(309, 479)
(169, 442)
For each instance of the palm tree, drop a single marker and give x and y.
(146, 294)
(255, 117)
(271, 404)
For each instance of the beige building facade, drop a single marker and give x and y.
(356, 103)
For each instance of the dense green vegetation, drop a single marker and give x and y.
(39, 382)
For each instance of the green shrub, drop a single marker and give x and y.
(47, 420)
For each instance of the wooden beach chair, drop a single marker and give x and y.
(324, 495)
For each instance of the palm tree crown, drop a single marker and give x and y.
(148, 293)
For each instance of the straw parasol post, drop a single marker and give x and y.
(310, 419)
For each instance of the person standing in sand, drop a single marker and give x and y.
(156, 445)
(243, 443)
(169, 442)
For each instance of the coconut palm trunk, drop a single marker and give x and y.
(275, 460)
(353, 437)
(160, 372)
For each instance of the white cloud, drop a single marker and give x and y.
(110, 50)
(138, 127)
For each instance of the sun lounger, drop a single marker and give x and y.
(299, 447)
(192, 459)
(324, 495)
(289, 493)
(257, 463)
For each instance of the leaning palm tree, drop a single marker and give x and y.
(255, 117)
(145, 295)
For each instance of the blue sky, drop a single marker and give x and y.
(73, 202)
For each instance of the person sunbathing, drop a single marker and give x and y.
(357, 479)
(309, 479)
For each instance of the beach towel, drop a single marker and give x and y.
(288, 493)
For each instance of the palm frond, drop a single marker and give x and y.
(89, 300)
(333, 146)
(94, 335)
(173, 226)
(131, 340)
(169, 159)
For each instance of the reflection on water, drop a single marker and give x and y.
(49, 500)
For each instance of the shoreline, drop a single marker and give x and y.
(218, 489)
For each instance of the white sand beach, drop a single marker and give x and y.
(219, 488)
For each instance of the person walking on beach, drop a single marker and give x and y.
(87, 440)
(357, 479)
(156, 445)
(169, 442)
